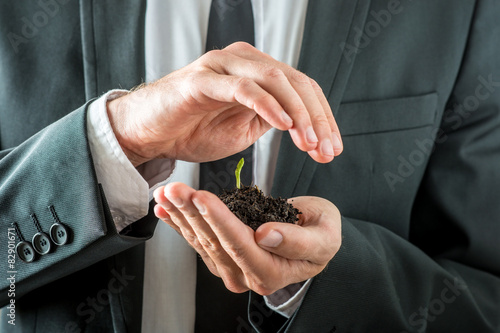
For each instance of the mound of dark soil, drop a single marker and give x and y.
(252, 207)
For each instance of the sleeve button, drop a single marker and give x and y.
(25, 251)
(59, 234)
(41, 243)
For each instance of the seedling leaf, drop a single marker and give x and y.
(237, 172)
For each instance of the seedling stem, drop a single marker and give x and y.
(237, 172)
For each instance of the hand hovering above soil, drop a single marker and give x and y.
(220, 104)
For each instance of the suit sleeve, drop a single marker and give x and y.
(55, 168)
(446, 277)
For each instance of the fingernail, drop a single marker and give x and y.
(166, 218)
(337, 144)
(286, 118)
(310, 135)
(176, 201)
(160, 207)
(166, 205)
(199, 206)
(326, 148)
(157, 192)
(273, 239)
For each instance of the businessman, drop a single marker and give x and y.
(399, 232)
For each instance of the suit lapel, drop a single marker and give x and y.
(113, 56)
(112, 44)
(328, 27)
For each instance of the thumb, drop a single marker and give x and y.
(291, 241)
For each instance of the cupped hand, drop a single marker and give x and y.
(273, 257)
(219, 105)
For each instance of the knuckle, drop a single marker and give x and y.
(191, 239)
(326, 253)
(264, 100)
(300, 78)
(240, 46)
(209, 243)
(237, 289)
(300, 111)
(243, 84)
(212, 55)
(190, 81)
(235, 252)
(191, 215)
(213, 270)
(336, 245)
(263, 285)
(320, 120)
(241, 91)
(273, 73)
(317, 88)
(234, 285)
(261, 288)
(192, 77)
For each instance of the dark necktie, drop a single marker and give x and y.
(217, 309)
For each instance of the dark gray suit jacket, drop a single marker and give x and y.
(415, 88)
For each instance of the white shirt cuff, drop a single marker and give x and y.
(285, 301)
(128, 190)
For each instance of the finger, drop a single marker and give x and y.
(234, 89)
(227, 85)
(232, 234)
(161, 213)
(160, 209)
(291, 241)
(177, 219)
(273, 80)
(237, 239)
(181, 196)
(315, 111)
(336, 137)
(207, 242)
(172, 201)
(316, 238)
(261, 270)
(308, 107)
(180, 219)
(255, 270)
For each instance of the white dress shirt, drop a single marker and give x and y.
(175, 36)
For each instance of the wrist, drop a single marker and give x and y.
(119, 114)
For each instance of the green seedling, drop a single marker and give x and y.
(237, 172)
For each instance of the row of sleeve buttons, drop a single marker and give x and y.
(41, 243)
